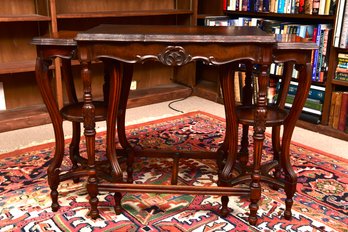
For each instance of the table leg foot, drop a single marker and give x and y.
(93, 200)
(53, 180)
(54, 196)
(252, 220)
(224, 210)
(118, 207)
(253, 207)
(287, 212)
(130, 161)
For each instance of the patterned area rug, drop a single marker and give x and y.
(321, 201)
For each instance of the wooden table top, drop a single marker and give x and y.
(150, 33)
(173, 33)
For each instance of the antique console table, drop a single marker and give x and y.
(120, 47)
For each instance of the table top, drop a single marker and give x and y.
(61, 38)
(175, 33)
(180, 33)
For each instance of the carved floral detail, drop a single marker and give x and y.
(174, 56)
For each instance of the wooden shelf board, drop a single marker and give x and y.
(17, 67)
(338, 82)
(19, 118)
(106, 14)
(323, 129)
(208, 90)
(24, 17)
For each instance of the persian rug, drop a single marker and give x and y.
(320, 204)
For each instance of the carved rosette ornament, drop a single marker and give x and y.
(174, 56)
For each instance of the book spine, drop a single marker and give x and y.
(327, 7)
(344, 29)
(265, 5)
(322, 6)
(301, 7)
(310, 103)
(343, 112)
(281, 6)
(338, 22)
(336, 114)
(332, 108)
(313, 93)
(315, 7)
(305, 109)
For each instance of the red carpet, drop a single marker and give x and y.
(321, 201)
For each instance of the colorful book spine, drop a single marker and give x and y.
(338, 23)
(315, 7)
(344, 30)
(281, 6)
(301, 7)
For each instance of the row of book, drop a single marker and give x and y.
(338, 116)
(318, 33)
(341, 72)
(341, 25)
(312, 7)
(312, 109)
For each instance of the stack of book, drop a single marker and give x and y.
(341, 72)
(312, 109)
(338, 111)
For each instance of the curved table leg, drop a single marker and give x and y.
(246, 100)
(289, 125)
(121, 118)
(41, 73)
(115, 96)
(74, 148)
(231, 139)
(288, 68)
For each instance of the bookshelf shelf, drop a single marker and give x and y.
(17, 67)
(24, 18)
(117, 14)
(338, 82)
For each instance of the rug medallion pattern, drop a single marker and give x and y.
(320, 204)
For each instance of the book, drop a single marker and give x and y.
(338, 22)
(342, 121)
(337, 110)
(281, 7)
(332, 108)
(305, 109)
(341, 76)
(315, 92)
(301, 7)
(322, 6)
(315, 7)
(327, 7)
(344, 28)
(308, 117)
(310, 103)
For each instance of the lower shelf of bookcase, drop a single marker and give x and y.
(323, 129)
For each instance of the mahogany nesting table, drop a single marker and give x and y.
(120, 47)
